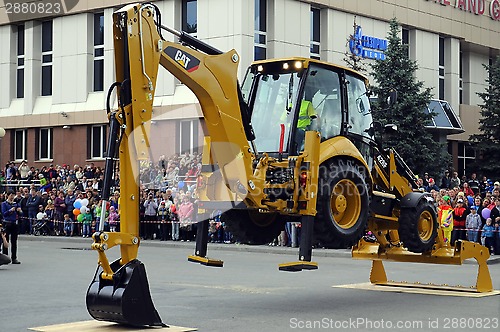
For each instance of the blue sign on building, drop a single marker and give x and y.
(367, 46)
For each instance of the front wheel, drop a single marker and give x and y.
(343, 204)
(418, 227)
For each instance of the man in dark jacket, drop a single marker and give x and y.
(10, 209)
(69, 200)
(32, 204)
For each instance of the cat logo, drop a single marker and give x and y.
(187, 61)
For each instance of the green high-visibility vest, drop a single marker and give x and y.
(306, 113)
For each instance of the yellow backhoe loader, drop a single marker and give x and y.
(294, 143)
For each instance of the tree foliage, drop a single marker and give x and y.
(412, 141)
(487, 142)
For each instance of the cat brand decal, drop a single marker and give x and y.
(189, 62)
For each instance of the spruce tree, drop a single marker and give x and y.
(412, 140)
(487, 143)
(353, 61)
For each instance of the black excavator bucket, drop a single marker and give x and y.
(125, 299)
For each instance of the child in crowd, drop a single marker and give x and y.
(445, 217)
(487, 236)
(87, 222)
(113, 219)
(473, 225)
(68, 225)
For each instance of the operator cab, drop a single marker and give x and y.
(278, 93)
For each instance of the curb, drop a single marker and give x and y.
(320, 252)
(277, 250)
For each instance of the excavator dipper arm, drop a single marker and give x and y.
(120, 291)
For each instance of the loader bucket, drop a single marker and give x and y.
(125, 299)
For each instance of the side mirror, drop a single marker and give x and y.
(374, 128)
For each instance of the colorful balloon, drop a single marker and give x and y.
(85, 202)
(80, 217)
(76, 212)
(77, 204)
(486, 213)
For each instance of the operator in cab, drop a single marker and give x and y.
(307, 114)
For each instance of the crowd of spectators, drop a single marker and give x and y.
(53, 196)
(66, 201)
(468, 208)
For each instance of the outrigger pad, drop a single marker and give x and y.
(125, 299)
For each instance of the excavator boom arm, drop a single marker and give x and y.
(211, 77)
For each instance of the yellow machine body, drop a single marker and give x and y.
(335, 181)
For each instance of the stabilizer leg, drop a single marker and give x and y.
(377, 274)
(200, 252)
(305, 248)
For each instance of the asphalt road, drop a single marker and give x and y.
(247, 294)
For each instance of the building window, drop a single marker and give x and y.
(441, 69)
(260, 48)
(97, 141)
(405, 39)
(466, 158)
(20, 144)
(99, 52)
(20, 62)
(47, 58)
(461, 78)
(45, 143)
(190, 17)
(315, 33)
(188, 136)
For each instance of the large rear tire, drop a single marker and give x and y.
(418, 227)
(343, 204)
(252, 227)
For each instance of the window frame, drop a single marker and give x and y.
(192, 134)
(20, 61)
(49, 143)
(260, 30)
(187, 10)
(24, 145)
(98, 73)
(102, 142)
(47, 58)
(441, 68)
(315, 33)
